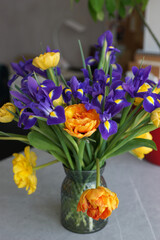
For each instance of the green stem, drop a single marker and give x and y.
(98, 173)
(15, 138)
(99, 146)
(81, 153)
(51, 75)
(82, 54)
(57, 131)
(45, 165)
(90, 72)
(102, 57)
(147, 26)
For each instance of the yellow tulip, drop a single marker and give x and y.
(155, 117)
(5, 115)
(24, 174)
(141, 151)
(46, 60)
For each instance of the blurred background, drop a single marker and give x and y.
(28, 26)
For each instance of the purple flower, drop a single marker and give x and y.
(36, 100)
(140, 77)
(77, 89)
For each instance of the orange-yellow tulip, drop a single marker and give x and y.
(80, 122)
(99, 202)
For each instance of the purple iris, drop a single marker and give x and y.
(36, 100)
(132, 85)
(94, 60)
(23, 69)
(26, 68)
(76, 89)
(108, 107)
(151, 101)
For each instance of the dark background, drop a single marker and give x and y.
(7, 148)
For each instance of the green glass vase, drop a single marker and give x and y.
(73, 186)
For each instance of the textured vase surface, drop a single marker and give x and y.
(73, 186)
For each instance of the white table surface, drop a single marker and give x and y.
(37, 217)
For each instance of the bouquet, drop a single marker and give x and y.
(81, 122)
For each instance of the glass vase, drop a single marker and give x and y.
(73, 186)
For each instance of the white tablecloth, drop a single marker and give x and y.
(37, 217)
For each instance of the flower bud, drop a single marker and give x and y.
(46, 60)
(141, 151)
(155, 117)
(5, 115)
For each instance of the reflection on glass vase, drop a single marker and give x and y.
(73, 185)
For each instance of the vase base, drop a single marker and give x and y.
(95, 226)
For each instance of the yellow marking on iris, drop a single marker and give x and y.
(80, 90)
(118, 101)
(111, 47)
(108, 79)
(158, 100)
(53, 114)
(31, 117)
(151, 100)
(42, 85)
(92, 60)
(99, 98)
(114, 66)
(119, 88)
(21, 111)
(107, 125)
(51, 94)
(144, 88)
(68, 90)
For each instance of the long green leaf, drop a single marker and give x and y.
(41, 142)
(97, 5)
(144, 129)
(57, 131)
(82, 54)
(133, 144)
(48, 131)
(81, 152)
(71, 140)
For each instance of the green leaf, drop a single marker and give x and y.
(144, 129)
(97, 5)
(110, 6)
(92, 12)
(82, 54)
(128, 2)
(100, 16)
(144, 4)
(134, 143)
(39, 141)
(46, 129)
(71, 140)
(81, 151)
(122, 10)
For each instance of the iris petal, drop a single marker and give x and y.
(108, 128)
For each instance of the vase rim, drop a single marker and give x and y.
(68, 169)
